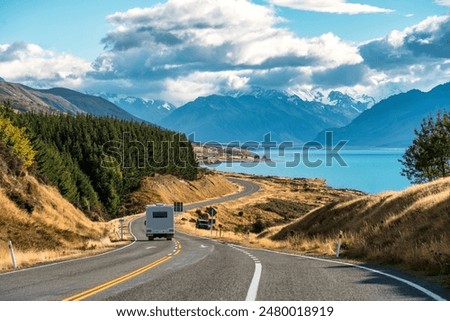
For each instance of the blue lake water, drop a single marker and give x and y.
(370, 171)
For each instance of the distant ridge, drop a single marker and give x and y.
(151, 110)
(250, 115)
(62, 100)
(392, 121)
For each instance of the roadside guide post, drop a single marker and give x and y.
(121, 228)
(11, 251)
(339, 244)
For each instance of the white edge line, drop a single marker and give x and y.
(253, 289)
(432, 295)
(80, 258)
(105, 253)
(254, 284)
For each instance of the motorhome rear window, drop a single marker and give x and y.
(159, 214)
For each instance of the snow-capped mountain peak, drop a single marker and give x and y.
(151, 110)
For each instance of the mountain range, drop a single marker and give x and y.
(151, 110)
(391, 122)
(249, 115)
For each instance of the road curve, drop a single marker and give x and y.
(199, 269)
(63, 280)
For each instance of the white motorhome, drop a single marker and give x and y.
(159, 221)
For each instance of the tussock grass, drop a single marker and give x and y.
(410, 228)
(277, 204)
(168, 189)
(54, 230)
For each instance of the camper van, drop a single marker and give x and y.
(159, 221)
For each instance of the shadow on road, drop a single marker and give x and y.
(402, 289)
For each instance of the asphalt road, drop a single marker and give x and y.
(190, 268)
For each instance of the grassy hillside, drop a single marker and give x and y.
(168, 189)
(409, 228)
(41, 223)
(93, 170)
(97, 162)
(44, 226)
(279, 202)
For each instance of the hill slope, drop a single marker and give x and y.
(391, 122)
(41, 224)
(92, 105)
(59, 100)
(410, 228)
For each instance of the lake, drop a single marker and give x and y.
(370, 171)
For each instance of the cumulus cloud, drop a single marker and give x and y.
(32, 65)
(182, 49)
(417, 56)
(330, 6)
(345, 75)
(428, 40)
(191, 48)
(183, 43)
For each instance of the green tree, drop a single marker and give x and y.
(97, 163)
(428, 158)
(16, 138)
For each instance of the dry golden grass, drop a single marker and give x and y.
(168, 189)
(292, 244)
(54, 230)
(275, 191)
(409, 228)
(306, 193)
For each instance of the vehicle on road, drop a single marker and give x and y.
(159, 221)
(203, 224)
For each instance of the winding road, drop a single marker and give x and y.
(191, 268)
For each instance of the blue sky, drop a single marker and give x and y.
(178, 50)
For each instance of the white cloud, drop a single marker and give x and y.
(183, 49)
(416, 57)
(443, 2)
(425, 42)
(216, 31)
(32, 65)
(187, 88)
(330, 6)
(205, 37)
(396, 38)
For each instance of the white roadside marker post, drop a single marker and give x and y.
(338, 250)
(121, 228)
(13, 257)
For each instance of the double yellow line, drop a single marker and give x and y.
(107, 285)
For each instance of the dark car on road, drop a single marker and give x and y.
(203, 224)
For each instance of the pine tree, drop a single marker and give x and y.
(73, 155)
(428, 158)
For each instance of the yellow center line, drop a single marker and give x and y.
(123, 278)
